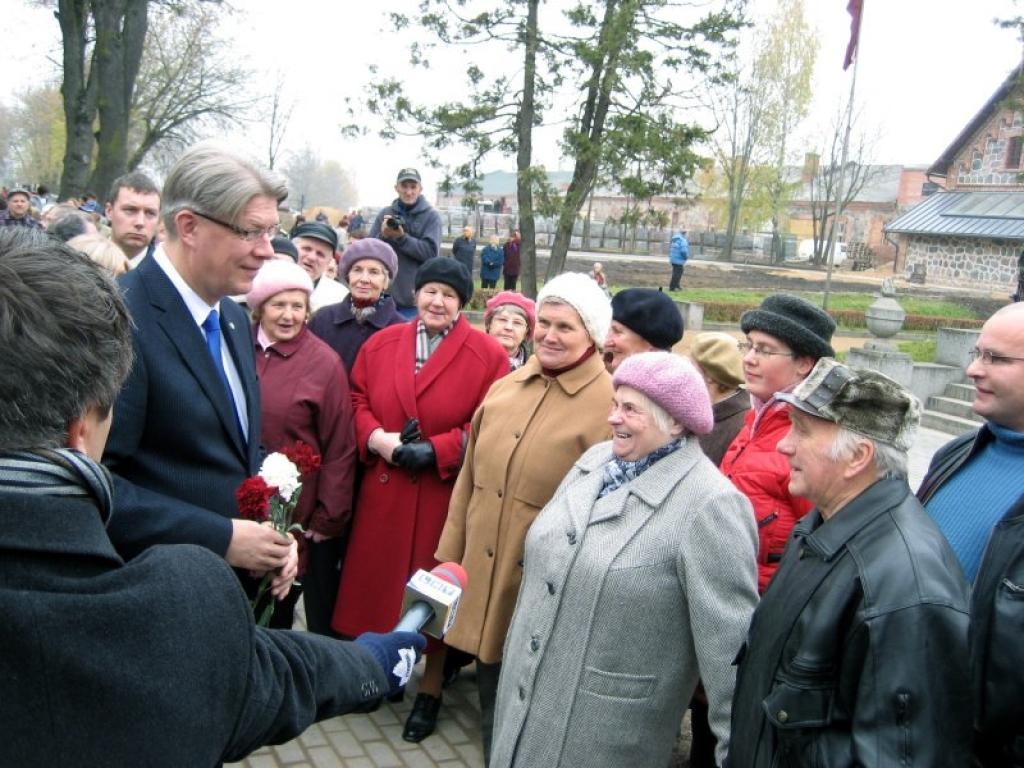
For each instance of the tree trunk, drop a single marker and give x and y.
(120, 34)
(616, 29)
(524, 157)
(78, 90)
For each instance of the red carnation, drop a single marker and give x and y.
(253, 497)
(303, 457)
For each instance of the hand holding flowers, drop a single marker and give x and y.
(270, 497)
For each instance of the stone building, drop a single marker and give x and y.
(973, 233)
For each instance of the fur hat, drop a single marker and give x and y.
(672, 382)
(512, 298)
(274, 277)
(318, 231)
(442, 269)
(716, 354)
(861, 400)
(581, 293)
(368, 248)
(801, 326)
(650, 314)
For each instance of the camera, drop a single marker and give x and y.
(394, 222)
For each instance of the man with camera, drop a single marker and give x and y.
(412, 227)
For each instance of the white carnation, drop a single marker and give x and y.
(278, 471)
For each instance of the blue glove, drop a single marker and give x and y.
(396, 653)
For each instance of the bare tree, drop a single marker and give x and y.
(280, 115)
(185, 87)
(824, 184)
(314, 181)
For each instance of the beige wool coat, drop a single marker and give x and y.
(524, 438)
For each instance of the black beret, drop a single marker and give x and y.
(287, 247)
(442, 269)
(650, 314)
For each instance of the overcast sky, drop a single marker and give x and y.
(926, 67)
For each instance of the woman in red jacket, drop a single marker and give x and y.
(415, 387)
(786, 336)
(304, 397)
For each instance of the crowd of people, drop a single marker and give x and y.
(643, 531)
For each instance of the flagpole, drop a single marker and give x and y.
(830, 252)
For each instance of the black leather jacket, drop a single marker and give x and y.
(997, 620)
(857, 654)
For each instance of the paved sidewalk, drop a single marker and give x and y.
(375, 740)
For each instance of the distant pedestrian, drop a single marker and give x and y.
(492, 258)
(678, 253)
(512, 260)
(464, 249)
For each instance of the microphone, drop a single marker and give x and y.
(432, 600)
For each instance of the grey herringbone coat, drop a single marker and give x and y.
(626, 601)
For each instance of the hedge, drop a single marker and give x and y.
(729, 312)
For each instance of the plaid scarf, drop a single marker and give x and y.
(426, 344)
(60, 472)
(618, 472)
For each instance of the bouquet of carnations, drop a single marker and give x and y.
(271, 496)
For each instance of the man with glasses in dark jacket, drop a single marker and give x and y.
(974, 490)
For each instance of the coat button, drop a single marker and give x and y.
(517, 435)
(551, 588)
(522, 693)
(383, 477)
(783, 716)
(571, 536)
(499, 493)
(490, 552)
(534, 643)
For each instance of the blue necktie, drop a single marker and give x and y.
(211, 326)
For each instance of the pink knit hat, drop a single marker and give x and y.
(274, 277)
(524, 303)
(673, 383)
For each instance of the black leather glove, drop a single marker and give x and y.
(415, 456)
(396, 653)
(411, 431)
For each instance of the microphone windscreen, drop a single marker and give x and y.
(453, 573)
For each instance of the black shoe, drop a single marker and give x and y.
(423, 718)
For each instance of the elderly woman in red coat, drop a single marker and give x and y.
(304, 397)
(415, 387)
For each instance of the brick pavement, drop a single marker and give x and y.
(375, 740)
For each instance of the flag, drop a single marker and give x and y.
(855, 8)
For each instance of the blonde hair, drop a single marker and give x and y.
(102, 251)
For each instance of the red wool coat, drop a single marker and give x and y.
(399, 515)
(762, 475)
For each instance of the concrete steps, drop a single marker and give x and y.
(951, 411)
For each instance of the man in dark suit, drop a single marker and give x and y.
(151, 662)
(187, 422)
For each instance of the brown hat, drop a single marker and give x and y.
(717, 355)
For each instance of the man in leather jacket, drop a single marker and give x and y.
(975, 490)
(857, 654)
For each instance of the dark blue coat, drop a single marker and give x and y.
(174, 447)
(155, 662)
(491, 260)
(336, 326)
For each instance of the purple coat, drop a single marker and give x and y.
(336, 326)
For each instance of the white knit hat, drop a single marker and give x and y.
(583, 294)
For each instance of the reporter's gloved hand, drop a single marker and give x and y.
(411, 431)
(415, 456)
(396, 653)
